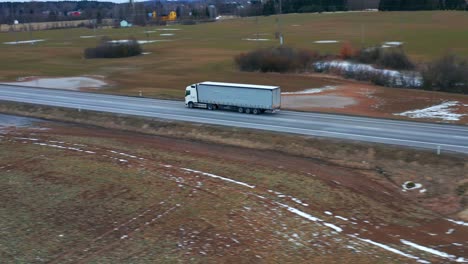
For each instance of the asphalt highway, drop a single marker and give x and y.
(404, 133)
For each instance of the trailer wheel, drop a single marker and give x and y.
(210, 107)
(256, 111)
(190, 105)
(240, 110)
(248, 110)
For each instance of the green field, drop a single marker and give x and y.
(205, 51)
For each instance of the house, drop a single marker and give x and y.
(124, 24)
(74, 13)
(171, 17)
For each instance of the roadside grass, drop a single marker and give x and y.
(396, 163)
(59, 206)
(205, 51)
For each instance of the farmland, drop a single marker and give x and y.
(188, 54)
(83, 194)
(125, 189)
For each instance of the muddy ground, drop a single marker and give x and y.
(77, 194)
(365, 99)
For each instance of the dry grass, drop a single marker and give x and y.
(91, 207)
(205, 52)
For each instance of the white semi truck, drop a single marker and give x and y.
(244, 98)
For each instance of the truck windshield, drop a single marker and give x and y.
(187, 92)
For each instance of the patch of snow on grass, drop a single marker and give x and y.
(124, 154)
(406, 79)
(394, 250)
(326, 41)
(167, 34)
(393, 43)
(442, 111)
(457, 222)
(313, 90)
(24, 42)
(70, 83)
(169, 29)
(256, 39)
(342, 218)
(219, 177)
(433, 251)
(416, 186)
(309, 217)
(121, 41)
(85, 37)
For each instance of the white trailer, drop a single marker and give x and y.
(244, 98)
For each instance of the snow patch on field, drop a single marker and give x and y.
(444, 111)
(433, 251)
(394, 43)
(86, 37)
(405, 186)
(326, 41)
(24, 42)
(397, 78)
(256, 39)
(167, 34)
(457, 222)
(219, 177)
(309, 217)
(70, 83)
(313, 90)
(394, 250)
(123, 41)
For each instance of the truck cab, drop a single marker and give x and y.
(191, 96)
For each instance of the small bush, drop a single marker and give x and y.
(107, 49)
(395, 58)
(369, 55)
(448, 74)
(278, 59)
(347, 51)
(410, 185)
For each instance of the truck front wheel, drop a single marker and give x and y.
(190, 105)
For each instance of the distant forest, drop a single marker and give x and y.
(413, 5)
(54, 11)
(61, 11)
(304, 6)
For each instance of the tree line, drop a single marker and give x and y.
(413, 5)
(303, 6)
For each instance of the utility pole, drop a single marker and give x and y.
(280, 34)
(363, 36)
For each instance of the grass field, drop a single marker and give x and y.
(74, 194)
(205, 52)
